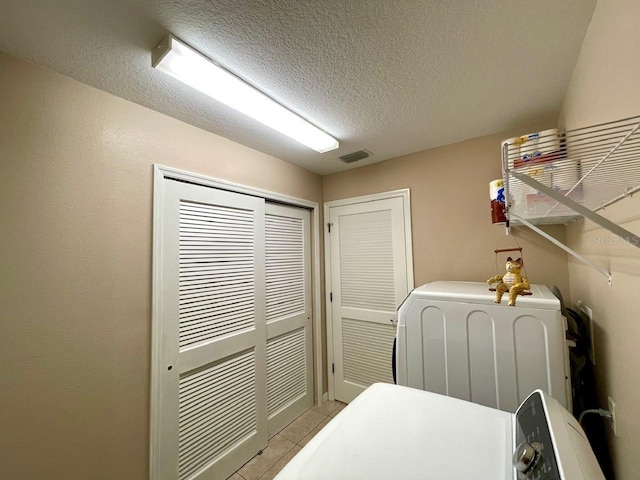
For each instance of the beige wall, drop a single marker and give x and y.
(75, 267)
(75, 249)
(453, 238)
(605, 86)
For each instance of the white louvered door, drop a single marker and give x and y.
(369, 280)
(213, 403)
(288, 313)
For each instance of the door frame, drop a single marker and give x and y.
(406, 204)
(162, 173)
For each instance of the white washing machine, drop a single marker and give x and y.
(393, 432)
(454, 340)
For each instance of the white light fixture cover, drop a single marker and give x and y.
(180, 61)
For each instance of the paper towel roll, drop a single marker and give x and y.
(529, 146)
(496, 194)
(549, 141)
(565, 175)
(538, 202)
(561, 173)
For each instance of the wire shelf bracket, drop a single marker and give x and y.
(590, 169)
(561, 245)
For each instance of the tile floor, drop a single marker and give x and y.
(284, 445)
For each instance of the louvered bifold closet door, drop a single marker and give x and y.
(368, 282)
(288, 313)
(213, 328)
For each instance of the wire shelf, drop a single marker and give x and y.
(594, 166)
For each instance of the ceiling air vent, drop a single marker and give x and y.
(355, 156)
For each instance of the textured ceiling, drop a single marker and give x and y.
(394, 77)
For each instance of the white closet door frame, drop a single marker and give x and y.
(162, 173)
(405, 195)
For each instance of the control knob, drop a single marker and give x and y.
(525, 458)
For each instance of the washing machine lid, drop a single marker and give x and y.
(478, 292)
(391, 431)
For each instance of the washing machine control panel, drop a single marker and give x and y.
(534, 457)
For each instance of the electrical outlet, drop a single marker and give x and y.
(587, 312)
(612, 409)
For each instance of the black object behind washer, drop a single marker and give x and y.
(393, 360)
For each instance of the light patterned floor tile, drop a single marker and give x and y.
(313, 432)
(300, 427)
(327, 407)
(338, 410)
(273, 471)
(284, 445)
(260, 464)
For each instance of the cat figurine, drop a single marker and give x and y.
(511, 282)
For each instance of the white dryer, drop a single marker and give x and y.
(393, 432)
(454, 340)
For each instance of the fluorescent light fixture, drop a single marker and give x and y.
(180, 61)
